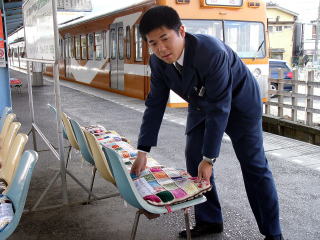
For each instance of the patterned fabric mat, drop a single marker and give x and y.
(157, 184)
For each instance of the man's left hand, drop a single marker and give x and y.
(204, 171)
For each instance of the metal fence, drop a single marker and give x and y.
(296, 99)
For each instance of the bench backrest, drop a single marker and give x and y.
(99, 157)
(7, 141)
(9, 166)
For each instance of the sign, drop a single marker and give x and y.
(230, 3)
(2, 49)
(39, 29)
(74, 5)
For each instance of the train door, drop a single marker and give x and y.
(68, 57)
(19, 56)
(117, 56)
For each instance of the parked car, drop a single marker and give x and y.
(275, 65)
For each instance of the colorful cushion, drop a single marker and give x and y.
(159, 185)
(166, 186)
(6, 211)
(103, 135)
(95, 128)
(124, 149)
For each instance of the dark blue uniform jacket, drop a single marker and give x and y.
(230, 88)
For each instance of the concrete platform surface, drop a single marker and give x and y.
(295, 165)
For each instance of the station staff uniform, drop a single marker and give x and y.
(223, 96)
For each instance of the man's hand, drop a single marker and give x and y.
(204, 171)
(139, 164)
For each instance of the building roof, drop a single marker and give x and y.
(271, 5)
(13, 15)
(98, 15)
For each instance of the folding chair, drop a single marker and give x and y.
(129, 192)
(4, 113)
(7, 141)
(18, 190)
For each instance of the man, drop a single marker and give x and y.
(223, 96)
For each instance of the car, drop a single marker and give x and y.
(275, 65)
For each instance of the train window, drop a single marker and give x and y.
(90, 45)
(78, 48)
(105, 37)
(98, 45)
(22, 52)
(73, 50)
(69, 47)
(113, 46)
(128, 42)
(83, 46)
(138, 40)
(66, 47)
(61, 47)
(120, 43)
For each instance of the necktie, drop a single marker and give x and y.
(178, 67)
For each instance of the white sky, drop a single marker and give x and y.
(307, 9)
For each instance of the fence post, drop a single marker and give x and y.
(280, 92)
(294, 102)
(309, 107)
(267, 105)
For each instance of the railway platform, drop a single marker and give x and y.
(295, 166)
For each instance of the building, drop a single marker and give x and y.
(309, 41)
(304, 45)
(281, 23)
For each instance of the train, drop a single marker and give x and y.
(106, 51)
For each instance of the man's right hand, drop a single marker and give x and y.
(139, 164)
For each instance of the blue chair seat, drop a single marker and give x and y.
(18, 190)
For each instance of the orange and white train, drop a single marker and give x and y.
(107, 51)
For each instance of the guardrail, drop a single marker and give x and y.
(297, 112)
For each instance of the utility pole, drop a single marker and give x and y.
(315, 60)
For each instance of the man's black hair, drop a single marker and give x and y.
(160, 16)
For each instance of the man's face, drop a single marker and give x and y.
(166, 44)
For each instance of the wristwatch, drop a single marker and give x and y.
(209, 160)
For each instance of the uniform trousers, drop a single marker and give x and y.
(247, 140)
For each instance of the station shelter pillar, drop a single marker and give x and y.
(5, 92)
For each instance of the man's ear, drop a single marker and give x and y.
(182, 31)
